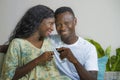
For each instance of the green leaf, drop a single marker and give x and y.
(118, 51)
(107, 51)
(114, 62)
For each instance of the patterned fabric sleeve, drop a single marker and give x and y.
(11, 61)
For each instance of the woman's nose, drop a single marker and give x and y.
(52, 28)
(62, 27)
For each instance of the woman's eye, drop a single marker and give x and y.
(57, 25)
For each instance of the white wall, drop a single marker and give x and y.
(97, 19)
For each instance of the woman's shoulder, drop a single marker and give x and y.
(17, 41)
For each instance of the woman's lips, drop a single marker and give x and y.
(49, 32)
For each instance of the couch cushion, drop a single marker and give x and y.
(102, 67)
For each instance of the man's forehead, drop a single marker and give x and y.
(65, 15)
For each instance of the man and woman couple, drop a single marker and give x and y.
(34, 54)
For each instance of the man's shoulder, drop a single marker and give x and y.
(85, 43)
(55, 37)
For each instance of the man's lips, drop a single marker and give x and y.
(62, 32)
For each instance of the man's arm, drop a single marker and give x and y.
(82, 72)
(3, 48)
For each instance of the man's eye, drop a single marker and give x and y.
(67, 23)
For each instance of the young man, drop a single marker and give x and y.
(76, 57)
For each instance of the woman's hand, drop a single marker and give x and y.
(47, 56)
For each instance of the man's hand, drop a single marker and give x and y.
(66, 53)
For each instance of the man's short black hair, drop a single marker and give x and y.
(62, 10)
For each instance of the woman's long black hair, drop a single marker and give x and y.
(31, 21)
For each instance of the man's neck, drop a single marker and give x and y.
(70, 40)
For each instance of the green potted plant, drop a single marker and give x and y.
(112, 70)
(113, 63)
(113, 66)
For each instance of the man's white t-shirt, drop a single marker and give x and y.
(84, 51)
